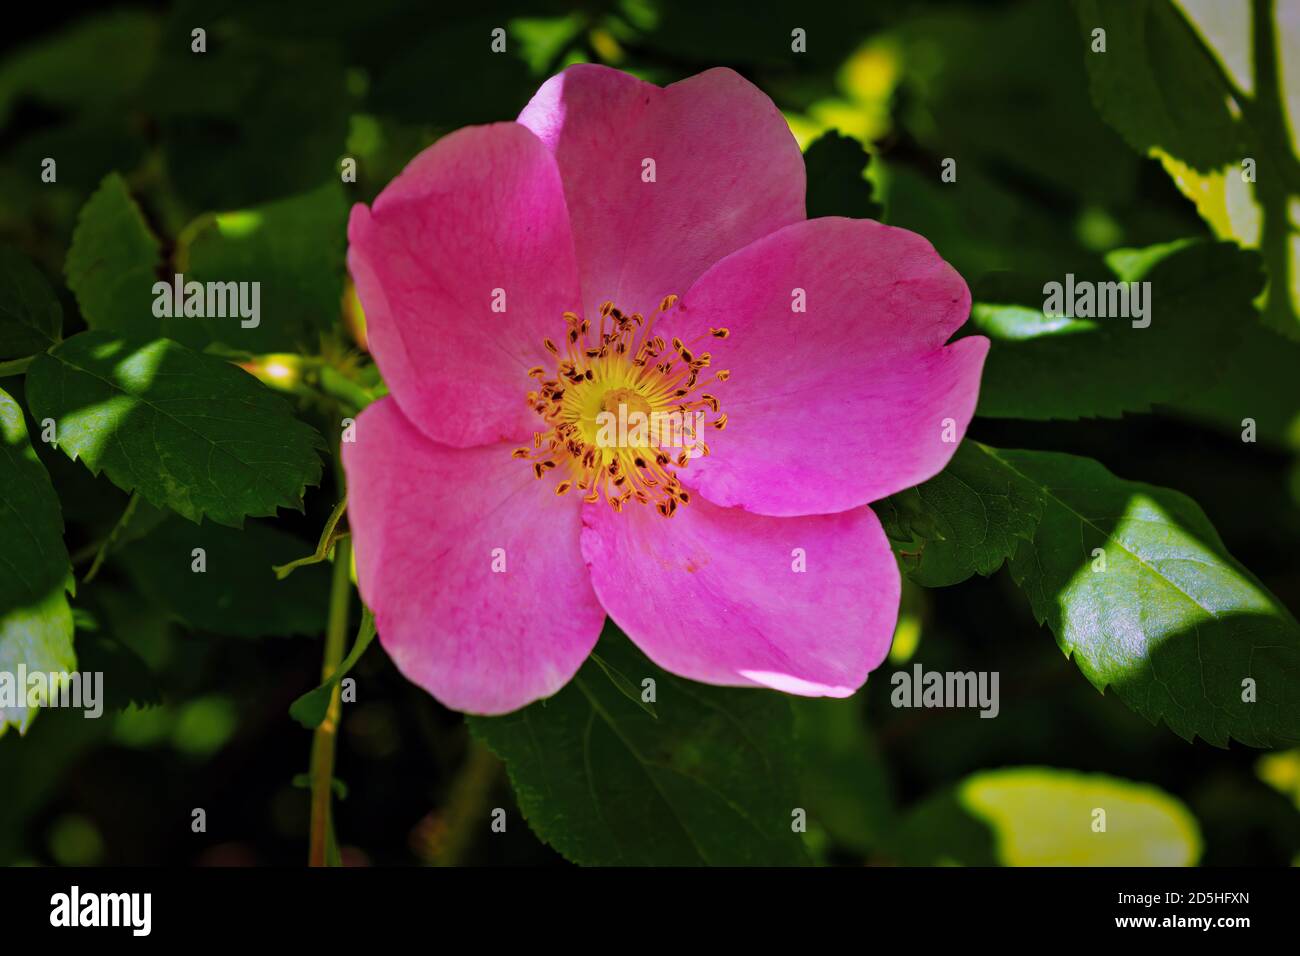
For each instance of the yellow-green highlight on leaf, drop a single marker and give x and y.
(238, 225)
(1211, 107)
(39, 637)
(293, 247)
(863, 108)
(1281, 771)
(907, 633)
(1046, 817)
(35, 572)
(188, 431)
(907, 636)
(1126, 542)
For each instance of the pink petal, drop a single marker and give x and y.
(711, 594)
(481, 209)
(727, 168)
(425, 522)
(847, 402)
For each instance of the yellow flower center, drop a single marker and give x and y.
(622, 410)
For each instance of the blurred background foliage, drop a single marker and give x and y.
(227, 165)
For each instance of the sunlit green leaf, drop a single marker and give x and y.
(1040, 816)
(1213, 97)
(293, 249)
(188, 431)
(1134, 582)
(1140, 591)
(35, 573)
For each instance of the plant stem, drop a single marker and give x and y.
(327, 539)
(16, 366)
(113, 535)
(444, 836)
(323, 740)
(341, 388)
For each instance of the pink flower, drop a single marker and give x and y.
(521, 278)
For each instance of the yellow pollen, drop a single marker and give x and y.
(622, 410)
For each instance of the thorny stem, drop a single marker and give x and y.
(322, 749)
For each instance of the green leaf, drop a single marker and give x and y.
(1039, 816)
(188, 431)
(1259, 383)
(238, 593)
(1257, 53)
(35, 572)
(113, 263)
(836, 185)
(1156, 84)
(624, 685)
(1132, 579)
(967, 519)
(68, 71)
(310, 709)
(127, 679)
(31, 319)
(293, 248)
(996, 112)
(711, 781)
(1174, 624)
(1039, 367)
(980, 226)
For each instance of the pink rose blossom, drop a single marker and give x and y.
(521, 278)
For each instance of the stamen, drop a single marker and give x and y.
(621, 412)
